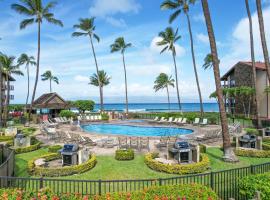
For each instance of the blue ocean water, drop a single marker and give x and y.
(159, 107)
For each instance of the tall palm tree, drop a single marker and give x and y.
(49, 76)
(120, 45)
(168, 39)
(163, 81)
(104, 80)
(256, 103)
(263, 39)
(183, 6)
(229, 155)
(9, 68)
(26, 60)
(36, 12)
(1, 86)
(86, 27)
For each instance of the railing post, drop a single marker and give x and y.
(99, 187)
(212, 180)
(41, 182)
(160, 181)
(252, 169)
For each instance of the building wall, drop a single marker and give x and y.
(263, 98)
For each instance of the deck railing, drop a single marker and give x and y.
(7, 161)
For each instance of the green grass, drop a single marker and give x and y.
(108, 168)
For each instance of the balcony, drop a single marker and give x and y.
(11, 97)
(5, 87)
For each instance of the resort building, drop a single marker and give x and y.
(241, 75)
(4, 87)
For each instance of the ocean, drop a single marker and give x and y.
(158, 107)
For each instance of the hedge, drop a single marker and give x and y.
(35, 145)
(54, 148)
(59, 171)
(202, 148)
(5, 138)
(250, 184)
(181, 192)
(67, 113)
(252, 153)
(122, 154)
(193, 168)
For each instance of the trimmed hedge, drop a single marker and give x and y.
(252, 153)
(60, 171)
(5, 138)
(193, 168)
(35, 145)
(250, 184)
(54, 148)
(202, 148)
(122, 154)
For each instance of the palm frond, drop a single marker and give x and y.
(22, 9)
(54, 21)
(78, 34)
(26, 23)
(96, 37)
(174, 16)
(168, 4)
(164, 49)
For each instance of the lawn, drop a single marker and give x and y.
(108, 168)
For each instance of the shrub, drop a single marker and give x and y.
(54, 148)
(67, 114)
(35, 145)
(252, 131)
(203, 148)
(5, 138)
(28, 131)
(193, 168)
(252, 153)
(121, 154)
(60, 171)
(250, 184)
(104, 116)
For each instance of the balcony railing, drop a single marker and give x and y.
(5, 87)
(11, 97)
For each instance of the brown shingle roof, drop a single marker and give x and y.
(50, 100)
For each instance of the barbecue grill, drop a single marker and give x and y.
(181, 151)
(69, 154)
(248, 141)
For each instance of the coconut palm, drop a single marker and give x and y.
(263, 39)
(87, 28)
(229, 155)
(168, 40)
(48, 76)
(104, 80)
(183, 6)
(163, 81)
(1, 86)
(26, 60)
(8, 68)
(36, 12)
(256, 103)
(120, 45)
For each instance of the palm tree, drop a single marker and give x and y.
(164, 81)
(104, 80)
(255, 99)
(229, 155)
(263, 39)
(49, 76)
(168, 39)
(86, 27)
(9, 68)
(36, 12)
(120, 45)
(1, 86)
(183, 6)
(26, 60)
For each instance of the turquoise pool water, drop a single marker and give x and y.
(132, 130)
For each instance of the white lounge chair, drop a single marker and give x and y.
(99, 117)
(170, 120)
(162, 120)
(175, 120)
(183, 122)
(156, 119)
(88, 118)
(96, 118)
(204, 122)
(196, 121)
(79, 118)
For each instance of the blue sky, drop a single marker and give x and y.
(139, 21)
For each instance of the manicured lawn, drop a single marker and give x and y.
(108, 168)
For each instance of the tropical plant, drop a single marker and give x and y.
(8, 68)
(36, 12)
(120, 45)
(168, 39)
(183, 6)
(229, 155)
(208, 61)
(86, 27)
(26, 60)
(163, 81)
(103, 78)
(84, 105)
(252, 54)
(49, 76)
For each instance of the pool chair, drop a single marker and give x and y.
(87, 141)
(57, 120)
(144, 143)
(96, 118)
(99, 117)
(92, 118)
(162, 120)
(183, 122)
(204, 122)
(196, 121)
(175, 120)
(88, 118)
(170, 120)
(79, 118)
(134, 142)
(123, 144)
(162, 142)
(66, 120)
(154, 120)
(109, 143)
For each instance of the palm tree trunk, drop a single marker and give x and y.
(229, 155)
(126, 91)
(50, 86)
(102, 93)
(176, 81)
(28, 86)
(37, 74)
(263, 39)
(168, 94)
(194, 64)
(255, 99)
(99, 83)
(1, 97)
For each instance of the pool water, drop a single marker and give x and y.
(130, 130)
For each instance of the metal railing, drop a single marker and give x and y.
(8, 160)
(224, 183)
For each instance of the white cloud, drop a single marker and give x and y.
(199, 18)
(80, 78)
(202, 38)
(116, 22)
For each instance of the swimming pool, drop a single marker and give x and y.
(130, 130)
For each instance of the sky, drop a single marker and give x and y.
(139, 22)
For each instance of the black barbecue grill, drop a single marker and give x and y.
(180, 151)
(69, 154)
(248, 141)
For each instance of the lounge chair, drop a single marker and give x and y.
(134, 143)
(196, 121)
(47, 123)
(175, 120)
(183, 122)
(170, 120)
(88, 118)
(79, 118)
(109, 143)
(162, 120)
(92, 118)
(87, 141)
(123, 144)
(155, 120)
(144, 143)
(99, 117)
(162, 142)
(204, 122)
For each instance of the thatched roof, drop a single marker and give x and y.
(50, 101)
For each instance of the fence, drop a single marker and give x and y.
(8, 160)
(224, 183)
